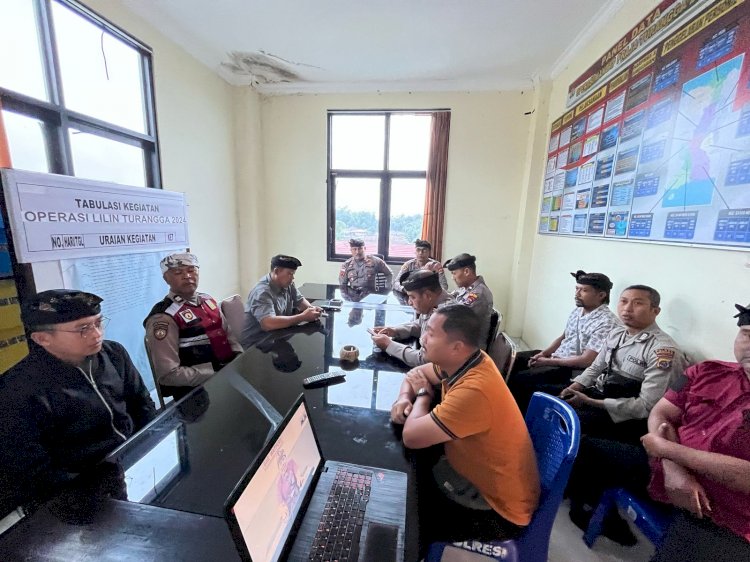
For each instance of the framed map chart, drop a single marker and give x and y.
(655, 144)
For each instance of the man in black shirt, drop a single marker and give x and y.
(72, 400)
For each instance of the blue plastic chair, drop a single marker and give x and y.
(650, 517)
(556, 433)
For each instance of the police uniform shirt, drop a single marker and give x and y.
(163, 334)
(651, 357)
(265, 300)
(586, 331)
(361, 274)
(407, 353)
(412, 265)
(478, 297)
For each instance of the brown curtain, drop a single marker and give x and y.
(4, 149)
(437, 174)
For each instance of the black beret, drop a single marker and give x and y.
(461, 260)
(743, 316)
(57, 306)
(422, 244)
(596, 280)
(285, 261)
(420, 279)
(356, 242)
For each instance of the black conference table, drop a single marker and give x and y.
(160, 495)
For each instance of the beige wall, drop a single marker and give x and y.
(254, 170)
(699, 286)
(486, 171)
(195, 119)
(251, 196)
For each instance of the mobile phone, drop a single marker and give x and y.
(371, 331)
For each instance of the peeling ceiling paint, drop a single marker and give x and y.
(390, 45)
(260, 67)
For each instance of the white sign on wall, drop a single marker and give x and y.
(55, 217)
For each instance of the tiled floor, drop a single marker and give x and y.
(566, 544)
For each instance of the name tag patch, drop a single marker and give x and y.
(639, 362)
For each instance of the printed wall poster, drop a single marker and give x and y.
(655, 142)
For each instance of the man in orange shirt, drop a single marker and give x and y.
(487, 485)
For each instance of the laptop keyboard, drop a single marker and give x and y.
(340, 527)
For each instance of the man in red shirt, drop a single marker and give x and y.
(699, 444)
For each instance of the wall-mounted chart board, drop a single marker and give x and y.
(655, 145)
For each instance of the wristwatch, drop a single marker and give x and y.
(422, 392)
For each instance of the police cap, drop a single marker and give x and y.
(174, 261)
(420, 279)
(57, 306)
(743, 315)
(356, 242)
(422, 244)
(461, 260)
(288, 262)
(596, 280)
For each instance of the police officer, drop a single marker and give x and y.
(422, 249)
(425, 296)
(364, 272)
(187, 337)
(275, 303)
(613, 397)
(69, 402)
(472, 291)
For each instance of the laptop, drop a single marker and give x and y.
(287, 504)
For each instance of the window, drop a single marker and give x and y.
(76, 94)
(377, 175)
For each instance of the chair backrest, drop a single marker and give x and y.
(503, 353)
(494, 326)
(233, 310)
(513, 352)
(556, 433)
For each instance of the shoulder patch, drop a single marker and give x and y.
(469, 298)
(160, 330)
(664, 356)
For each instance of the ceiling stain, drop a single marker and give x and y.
(263, 68)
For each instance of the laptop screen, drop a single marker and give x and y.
(269, 504)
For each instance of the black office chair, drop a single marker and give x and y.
(233, 310)
(503, 353)
(495, 320)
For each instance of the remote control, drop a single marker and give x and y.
(324, 379)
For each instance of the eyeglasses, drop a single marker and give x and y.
(88, 329)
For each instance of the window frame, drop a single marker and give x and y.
(385, 175)
(58, 119)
